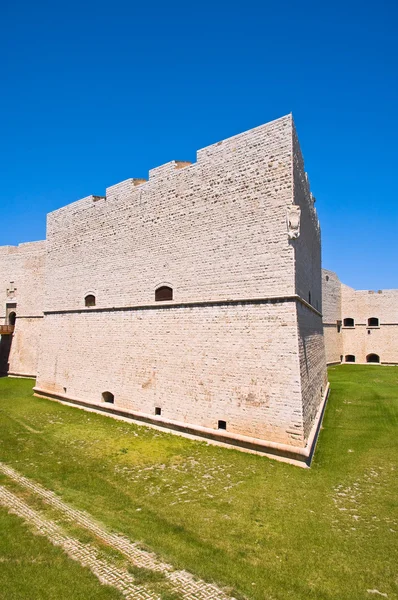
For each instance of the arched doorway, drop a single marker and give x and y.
(11, 318)
(373, 358)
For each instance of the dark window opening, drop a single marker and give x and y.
(108, 397)
(222, 424)
(327, 277)
(89, 300)
(309, 297)
(369, 332)
(11, 318)
(348, 322)
(338, 326)
(163, 293)
(350, 358)
(373, 322)
(158, 410)
(373, 358)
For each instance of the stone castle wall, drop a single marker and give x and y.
(308, 286)
(227, 347)
(361, 340)
(22, 284)
(331, 309)
(198, 364)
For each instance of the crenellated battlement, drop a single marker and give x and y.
(225, 153)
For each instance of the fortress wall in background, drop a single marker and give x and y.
(361, 340)
(331, 309)
(22, 283)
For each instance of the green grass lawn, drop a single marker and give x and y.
(266, 530)
(32, 568)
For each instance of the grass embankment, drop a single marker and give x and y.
(263, 528)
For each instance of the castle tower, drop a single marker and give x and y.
(193, 300)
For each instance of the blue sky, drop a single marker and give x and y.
(97, 92)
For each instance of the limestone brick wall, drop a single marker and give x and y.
(313, 374)
(307, 245)
(307, 248)
(333, 343)
(213, 230)
(340, 302)
(236, 363)
(362, 340)
(331, 310)
(22, 283)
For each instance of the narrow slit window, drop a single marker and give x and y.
(89, 300)
(163, 293)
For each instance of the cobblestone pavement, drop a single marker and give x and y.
(183, 582)
(85, 554)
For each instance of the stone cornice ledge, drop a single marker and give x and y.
(21, 375)
(293, 454)
(171, 304)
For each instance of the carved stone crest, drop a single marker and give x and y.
(11, 290)
(293, 221)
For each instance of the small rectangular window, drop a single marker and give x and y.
(222, 424)
(158, 411)
(348, 322)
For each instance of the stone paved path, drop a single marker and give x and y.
(85, 554)
(183, 582)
